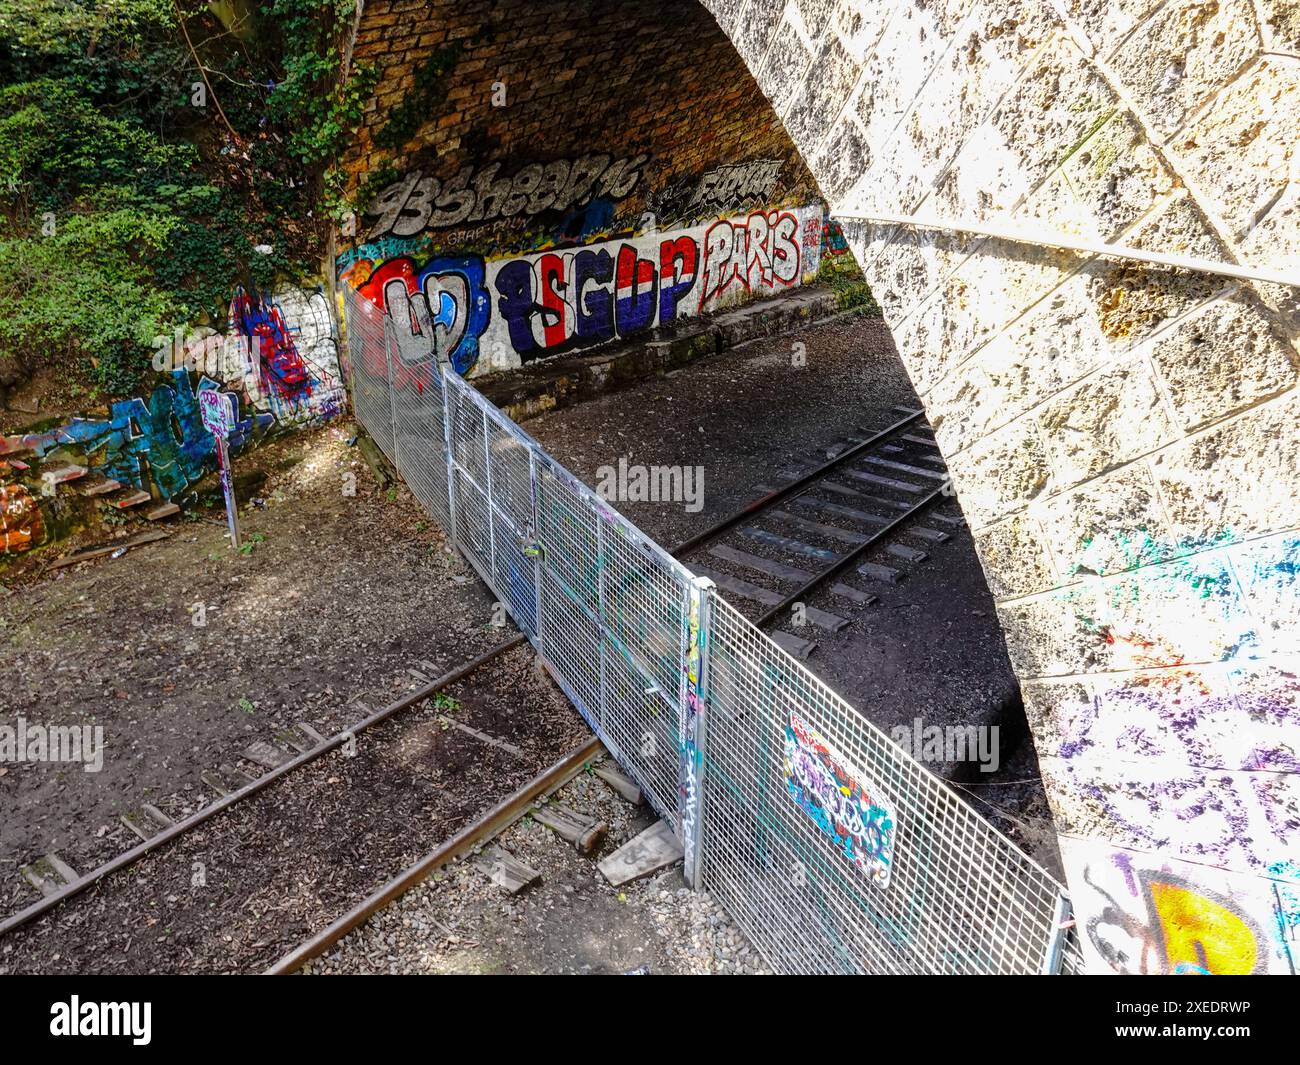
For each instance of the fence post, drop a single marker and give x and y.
(392, 399)
(692, 722)
(1053, 955)
(487, 481)
(451, 461)
(534, 549)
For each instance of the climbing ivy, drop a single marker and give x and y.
(313, 100)
(153, 153)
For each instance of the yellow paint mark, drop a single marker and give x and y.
(1200, 934)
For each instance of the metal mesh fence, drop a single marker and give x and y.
(832, 848)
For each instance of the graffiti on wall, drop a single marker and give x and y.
(833, 241)
(720, 191)
(284, 372)
(477, 194)
(758, 253)
(434, 314)
(556, 301)
(839, 799)
(159, 443)
(21, 526)
(1151, 916)
(481, 316)
(293, 373)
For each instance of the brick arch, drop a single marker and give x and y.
(1122, 436)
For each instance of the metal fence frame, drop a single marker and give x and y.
(739, 747)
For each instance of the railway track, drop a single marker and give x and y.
(846, 519)
(830, 532)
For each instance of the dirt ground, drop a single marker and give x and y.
(239, 891)
(572, 921)
(335, 600)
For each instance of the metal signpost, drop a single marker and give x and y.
(218, 416)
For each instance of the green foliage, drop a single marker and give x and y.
(136, 188)
(312, 100)
(415, 108)
(842, 275)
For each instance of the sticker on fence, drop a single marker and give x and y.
(842, 803)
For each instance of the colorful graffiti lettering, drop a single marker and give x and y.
(433, 314)
(21, 525)
(560, 300)
(418, 202)
(761, 252)
(833, 242)
(839, 800)
(1147, 914)
(722, 190)
(1186, 931)
(160, 442)
(262, 322)
(485, 316)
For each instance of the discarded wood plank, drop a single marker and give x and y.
(654, 849)
(583, 832)
(48, 874)
(165, 510)
(877, 572)
(63, 474)
(266, 754)
(505, 870)
(102, 488)
(910, 554)
(108, 549)
(132, 499)
(857, 595)
(621, 784)
(760, 564)
(792, 644)
(481, 736)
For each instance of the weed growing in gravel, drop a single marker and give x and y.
(246, 548)
(247, 706)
